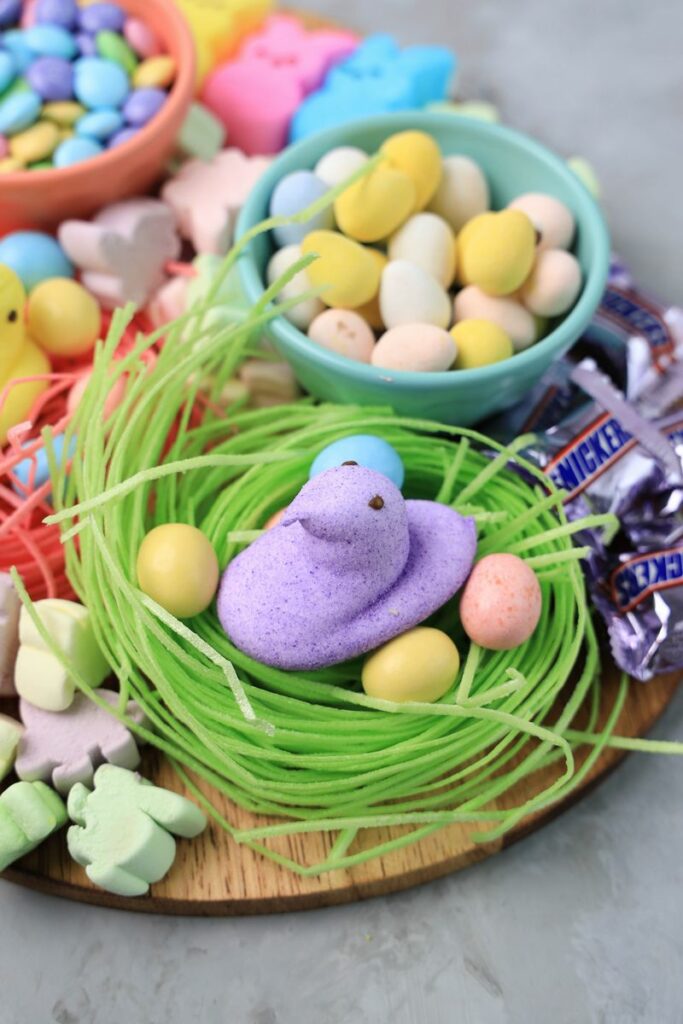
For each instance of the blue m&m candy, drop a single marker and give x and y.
(72, 151)
(100, 83)
(63, 13)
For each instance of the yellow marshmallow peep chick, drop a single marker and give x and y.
(19, 355)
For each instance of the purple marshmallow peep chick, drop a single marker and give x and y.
(351, 565)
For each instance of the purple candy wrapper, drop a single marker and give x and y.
(608, 421)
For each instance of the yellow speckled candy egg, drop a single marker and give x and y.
(501, 603)
(419, 348)
(480, 343)
(63, 317)
(36, 143)
(376, 205)
(370, 311)
(419, 665)
(178, 568)
(348, 273)
(554, 283)
(417, 155)
(472, 303)
(496, 251)
(553, 221)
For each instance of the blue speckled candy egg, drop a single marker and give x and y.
(365, 449)
(292, 194)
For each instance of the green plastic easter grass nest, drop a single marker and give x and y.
(311, 749)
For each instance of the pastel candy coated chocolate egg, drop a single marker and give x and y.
(420, 665)
(291, 195)
(366, 450)
(419, 348)
(345, 332)
(480, 343)
(409, 295)
(348, 274)
(63, 317)
(177, 567)
(339, 164)
(427, 240)
(472, 303)
(34, 257)
(463, 192)
(304, 312)
(112, 401)
(376, 205)
(496, 251)
(275, 519)
(554, 283)
(417, 155)
(553, 221)
(501, 603)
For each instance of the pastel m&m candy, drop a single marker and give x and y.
(52, 78)
(114, 47)
(177, 567)
(420, 665)
(35, 143)
(51, 41)
(141, 38)
(101, 17)
(100, 83)
(155, 73)
(364, 449)
(63, 318)
(100, 124)
(19, 111)
(63, 13)
(72, 151)
(142, 105)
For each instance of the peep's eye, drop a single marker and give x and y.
(12, 316)
(349, 463)
(376, 502)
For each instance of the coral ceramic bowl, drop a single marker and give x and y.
(513, 164)
(41, 199)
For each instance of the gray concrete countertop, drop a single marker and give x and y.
(579, 924)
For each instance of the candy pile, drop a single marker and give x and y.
(75, 81)
(413, 227)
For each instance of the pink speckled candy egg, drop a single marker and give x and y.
(275, 519)
(419, 348)
(113, 400)
(344, 332)
(553, 285)
(501, 603)
(554, 222)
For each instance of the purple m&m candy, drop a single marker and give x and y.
(102, 18)
(125, 135)
(142, 105)
(10, 12)
(86, 44)
(56, 12)
(52, 78)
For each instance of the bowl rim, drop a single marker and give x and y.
(559, 339)
(181, 93)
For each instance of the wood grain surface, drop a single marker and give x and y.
(213, 875)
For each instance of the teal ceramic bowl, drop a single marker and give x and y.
(513, 164)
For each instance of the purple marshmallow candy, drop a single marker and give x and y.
(351, 565)
(52, 78)
(142, 105)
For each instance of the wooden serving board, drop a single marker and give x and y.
(213, 876)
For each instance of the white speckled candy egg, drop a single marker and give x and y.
(473, 304)
(554, 283)
(553, 221)
(427, 240)
(339, 164)
(422, 348)
(463, 192)
(409, 295)
(501, 603)
(344, 332)
(301, 315)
